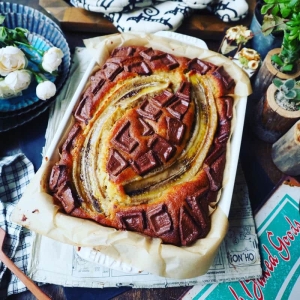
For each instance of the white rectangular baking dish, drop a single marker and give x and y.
(179, 262)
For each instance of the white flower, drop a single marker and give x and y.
(6, 92)
(45, 90)
(11, 59)
(18, 80)
(52, 59)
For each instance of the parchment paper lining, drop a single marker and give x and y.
(37, 211)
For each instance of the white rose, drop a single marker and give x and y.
(45, 90)
(18, 80)
(11, 59)
(52, 59)
(6, 92)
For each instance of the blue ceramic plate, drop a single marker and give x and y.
(45, 33)
(6, 8)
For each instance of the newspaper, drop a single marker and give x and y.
(278, 227)
(53, 262)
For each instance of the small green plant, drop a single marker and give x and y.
(288, 89)
(284, 16)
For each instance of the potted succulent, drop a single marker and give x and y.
(278, 110)
(280, 16)
(284, 15)
(263, 41)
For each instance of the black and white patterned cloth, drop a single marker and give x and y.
(157, 15)
(15, 174)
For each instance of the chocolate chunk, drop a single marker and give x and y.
(67, 198)
(212, 196)
(58, 175)
(98, 86)
(199, 208)
(215, 173)
(150, 54)
(223, 132)
(147, 129)
(224, 76)
(162, 148)
(83, 110)
(175, 130)
(123, 52)
(178, 108)
(189, 231)
(111, 70)
(149, 110)
(222, 138)
(117, 60)
(184, 91)
(132, 220)
(200, 66)
(116, 163)
(140, 68)
(217, 151)
(97, 81)
(229, 105)
(163, 99)
(145, 163)
(169, 61)
(123, 140)
(68, 144)
(159, 219)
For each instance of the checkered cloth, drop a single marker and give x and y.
(15, 174)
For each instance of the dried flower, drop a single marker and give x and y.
(11, 59)
(52, 59)
(45, 90)
(249, 58)
(250, 54)
(240, 34)
(235, 38)
(18, 80)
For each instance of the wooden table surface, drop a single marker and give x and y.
(255, 155)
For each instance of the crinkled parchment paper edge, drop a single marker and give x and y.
(37, 211)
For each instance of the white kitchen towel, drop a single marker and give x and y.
(151, 15)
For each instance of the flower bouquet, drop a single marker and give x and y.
(21, 64)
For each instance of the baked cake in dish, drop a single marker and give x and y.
(148, 145)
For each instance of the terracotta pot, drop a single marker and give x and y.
(271, 121)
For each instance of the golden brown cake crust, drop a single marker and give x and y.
(147, 150)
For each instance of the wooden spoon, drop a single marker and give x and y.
(36, 291)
